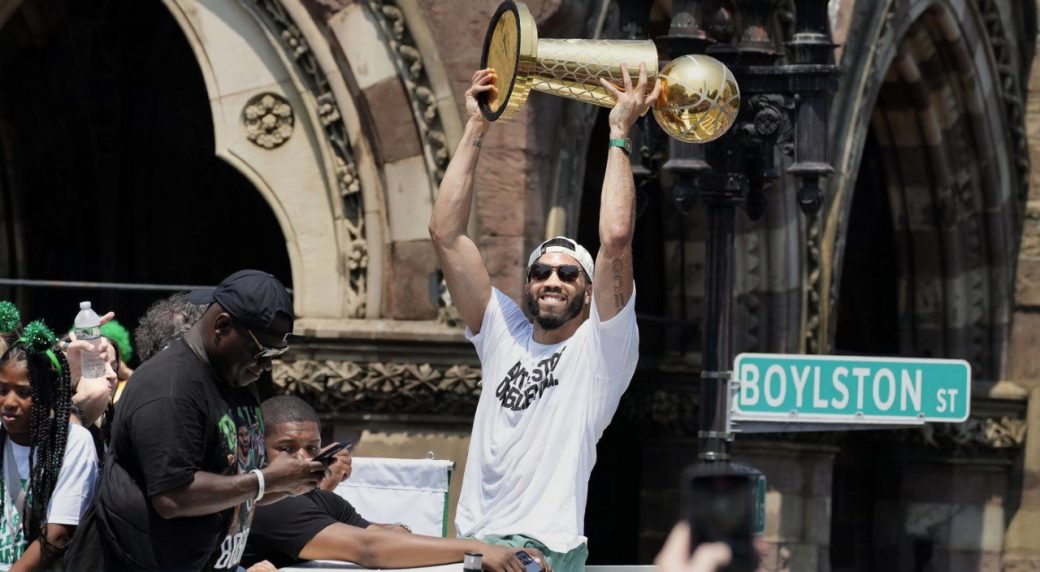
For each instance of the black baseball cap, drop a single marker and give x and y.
(253, 297)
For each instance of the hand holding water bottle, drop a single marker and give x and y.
(88, 329)
(85, 352)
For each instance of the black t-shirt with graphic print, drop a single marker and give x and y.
(176, 418)
(281, 530)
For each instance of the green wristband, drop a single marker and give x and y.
(625, 144)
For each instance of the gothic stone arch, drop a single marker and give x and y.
(255, 96)
(375, 119)
(928, 78)
(407, 112)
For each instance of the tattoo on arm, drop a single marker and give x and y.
(479, 142)
(619, 298)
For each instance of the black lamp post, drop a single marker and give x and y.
(783, 103)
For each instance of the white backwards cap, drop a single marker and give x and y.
(566, 246)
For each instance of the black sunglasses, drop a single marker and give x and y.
(566, 272)
(264, 352)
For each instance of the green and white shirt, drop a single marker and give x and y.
(11, 547)
(73, 493)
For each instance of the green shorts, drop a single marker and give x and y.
(571, 561)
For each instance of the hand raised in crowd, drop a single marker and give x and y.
(675, 555)
(92, 395)
(74, 349)
(74, 353)
(337, 471)
(483, 82)
(102, 320)
(290, 474)
(631, 103)
(504, 559)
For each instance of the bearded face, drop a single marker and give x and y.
(550, 318)
(552, 302)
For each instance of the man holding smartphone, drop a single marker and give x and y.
(554, 369)
(188, 465)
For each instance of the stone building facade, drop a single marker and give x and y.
(323, 127)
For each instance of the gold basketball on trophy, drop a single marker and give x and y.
(699, 99)
(699, 95)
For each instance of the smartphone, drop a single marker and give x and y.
(327, 455)
(718, 501)
(530, 564)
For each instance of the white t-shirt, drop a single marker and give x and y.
(541, 411)
(72, 496)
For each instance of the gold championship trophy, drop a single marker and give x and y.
(699, 95)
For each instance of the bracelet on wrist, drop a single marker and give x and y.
(260, 484)
(623, 143)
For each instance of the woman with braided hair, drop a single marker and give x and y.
(48, 467)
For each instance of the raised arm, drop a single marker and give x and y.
(617, 211)
(464, 271)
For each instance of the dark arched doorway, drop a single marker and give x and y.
(927, 252)
(867, 325)
(107, 166)
(868, 310)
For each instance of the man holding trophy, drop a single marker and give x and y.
(554, 370)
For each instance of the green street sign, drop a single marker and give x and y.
(849, 389)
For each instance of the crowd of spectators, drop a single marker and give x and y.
(177, 465)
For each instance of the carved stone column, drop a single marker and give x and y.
(1022, 545)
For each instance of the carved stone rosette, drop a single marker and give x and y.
(393, 388)
(268, 120)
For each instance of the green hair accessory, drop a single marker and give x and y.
(116, 332)
(38, 338)
(9, 316)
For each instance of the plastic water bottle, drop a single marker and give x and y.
(88, 328)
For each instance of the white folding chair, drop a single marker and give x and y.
(410, 491)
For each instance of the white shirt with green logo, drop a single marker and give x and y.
(73, 493)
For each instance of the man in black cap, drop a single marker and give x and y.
(178, 492)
